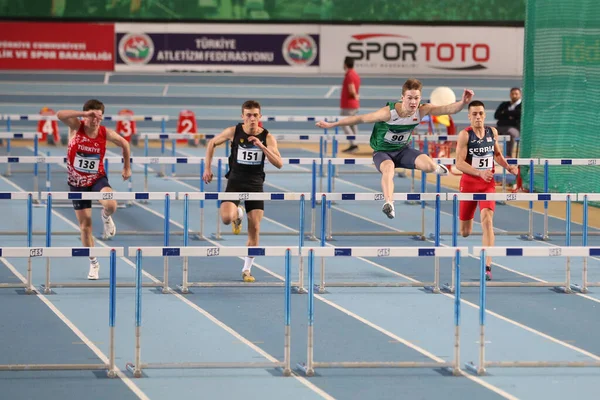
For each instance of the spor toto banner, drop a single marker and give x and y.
(421, 50)
(56, 46)
(243, 48)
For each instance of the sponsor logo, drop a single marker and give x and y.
(38, 252)
(299, 50)
(213, 251)
(383, 252)
(136, 48)
(395, 51)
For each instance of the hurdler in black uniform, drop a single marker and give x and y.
(246, 167)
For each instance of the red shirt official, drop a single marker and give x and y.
(346, 100)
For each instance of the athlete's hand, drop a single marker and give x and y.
(513, 169)
(126, 173)
(93, 114)
(207, 176)
(487, 175)
(467, 96)
(256, 142)
(324, 124)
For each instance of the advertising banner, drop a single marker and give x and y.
(420, 50)
(205, 48)
(56, 46)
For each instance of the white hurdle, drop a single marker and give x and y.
(545, 251)
(436, 252)
(68, 252)
(137, 367)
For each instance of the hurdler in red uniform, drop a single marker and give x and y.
(85, 168)
(476, 152)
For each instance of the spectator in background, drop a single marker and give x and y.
(349, 101)
(508, 115)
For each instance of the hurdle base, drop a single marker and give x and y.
(245, 233)
(46, 291)
(307, 371)
(432, 289)
(137, 373)
(541, 236)
(411, 202)
(236, 284)
(576, 288)
(471, 367)
(181, 290)
(299, 290)
(501, 202)
(320, 290)
(92, 284)
(419, 238)
(431, 236)
(563, 289)
(527, 237)
(447, 288)
(53, 367)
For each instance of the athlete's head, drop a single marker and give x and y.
(251, 115)
(348, 63)
(411, 94)
(476, 113)
(515, 94)
(93, 104)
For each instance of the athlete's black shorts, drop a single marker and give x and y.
(245, 187)
(96, 187)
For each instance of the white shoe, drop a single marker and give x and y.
(94, 271)
(109, 228)
(388, 209)
(442, 170)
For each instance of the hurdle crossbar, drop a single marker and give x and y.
(312, 252)
(575, 251)
(68, 252)
(137, 367)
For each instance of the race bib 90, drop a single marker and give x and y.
(87, 163)
(251, 156)
(396, 138)
(482, 162)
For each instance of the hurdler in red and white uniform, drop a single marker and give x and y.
(476, 151)
(85, 167)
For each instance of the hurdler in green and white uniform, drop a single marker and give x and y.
(395, 134)
(390, 141)
(392, 131)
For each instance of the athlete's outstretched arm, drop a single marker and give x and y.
(461, 157)
(270, 150)
(221, 138)
(450, 108)
(383, 114)
(71, 117)
(118, 140)
(499, 157)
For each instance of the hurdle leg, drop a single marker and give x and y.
(436, 277)
(165, 288)
(47, 289)
(184, 279)
(322, 280)
(567, 288)
(584, 288)
(29, 289)
(313, 224)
